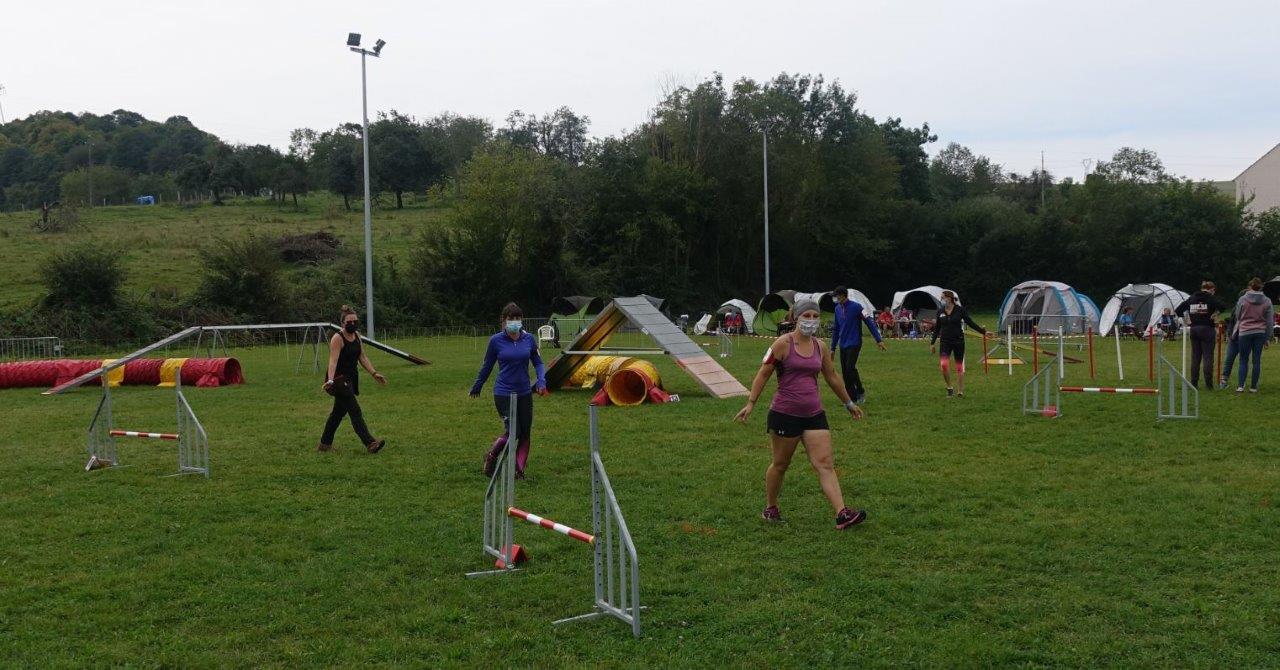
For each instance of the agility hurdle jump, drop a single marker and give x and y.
(616, 573)
(1176, 397)
(193, 442)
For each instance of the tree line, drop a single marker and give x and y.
(674, 207)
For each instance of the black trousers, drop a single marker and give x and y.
(1202, 343)
(524, 413)
(346, 406)
(849, 370)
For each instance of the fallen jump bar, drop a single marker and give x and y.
(551, 525)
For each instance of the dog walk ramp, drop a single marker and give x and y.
(641, 313)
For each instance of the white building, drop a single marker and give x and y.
(1261, 181)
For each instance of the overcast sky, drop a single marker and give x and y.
(1199, 82)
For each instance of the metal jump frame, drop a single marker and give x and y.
(616, 567)
(193, 441)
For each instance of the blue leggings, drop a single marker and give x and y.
(1251, 347)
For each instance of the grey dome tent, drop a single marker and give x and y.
(1148, 302)
(1047, 306)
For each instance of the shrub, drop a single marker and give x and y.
(245, 276)
(83, 276)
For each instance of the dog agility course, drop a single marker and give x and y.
(994, 537)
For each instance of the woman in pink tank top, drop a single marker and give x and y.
(796, 413)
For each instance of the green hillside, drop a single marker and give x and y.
(161, 245)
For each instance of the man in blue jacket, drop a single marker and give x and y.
(846, 338)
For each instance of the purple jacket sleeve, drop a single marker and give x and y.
(490, 357)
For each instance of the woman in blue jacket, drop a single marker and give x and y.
(513, 350)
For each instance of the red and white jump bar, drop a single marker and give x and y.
(1108, 389)
(551, 525)
(135, 433)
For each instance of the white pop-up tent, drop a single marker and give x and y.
(827, 302)
(924, 297)
(732, 305)
(1148, 302)
(1047, 306)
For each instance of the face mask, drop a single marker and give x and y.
(351, 326)
(514, 326)
(808, 326)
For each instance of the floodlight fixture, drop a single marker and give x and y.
(377, 46)
(353, 39)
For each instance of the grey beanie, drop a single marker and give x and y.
(802, 306)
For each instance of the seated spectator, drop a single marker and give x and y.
(1168, 324)
(904, 321)
(926, 326)
(884, 321)
(1126, 322)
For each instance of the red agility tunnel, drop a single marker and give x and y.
(143, 372)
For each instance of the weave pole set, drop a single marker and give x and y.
(616, 569)
(193, 442)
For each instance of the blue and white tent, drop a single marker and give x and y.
(1046, 306)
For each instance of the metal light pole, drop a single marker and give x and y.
(1, 106)
(765, 136)
(89, 174)
(353, 42)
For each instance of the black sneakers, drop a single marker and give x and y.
(848, 518)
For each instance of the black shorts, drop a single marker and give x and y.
(950, 348)
(785, 425)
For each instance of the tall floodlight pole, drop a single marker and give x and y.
(765, 136)
(1, 106)
(353, 42)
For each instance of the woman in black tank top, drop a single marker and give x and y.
(343, 383)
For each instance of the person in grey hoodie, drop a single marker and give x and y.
(1254, 315)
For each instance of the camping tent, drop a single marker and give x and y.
(771, 311)
(571, 314)
(828, 303)
(1272, 289)
(1046, 306)
(1147, 300)
(923, 297)
(729, 306)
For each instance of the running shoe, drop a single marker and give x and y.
(1239, 389)
(321, 446)
(376, 446)
(950, 392)
(771, 514)
(1222, 384)
(960, 394)
(490, 463)
(1253, 390)
(848, 518)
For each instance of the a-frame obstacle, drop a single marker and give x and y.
(670, 341)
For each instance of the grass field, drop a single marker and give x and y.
(1100, 538)
(160, 245)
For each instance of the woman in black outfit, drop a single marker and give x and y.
(343, 383)
(949, 329)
